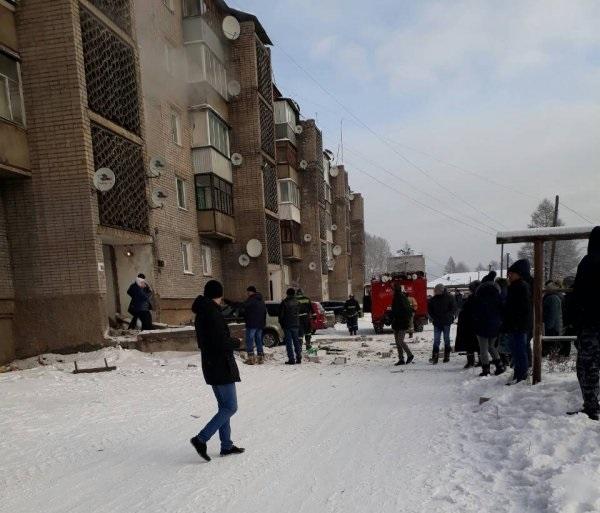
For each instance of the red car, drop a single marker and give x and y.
(319, 317)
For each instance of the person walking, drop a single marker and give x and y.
(414, 306)
(306, 314)
(466, 339)
(487, 319)
(401, 313)
(442, 310)
(503, 339)
(140, 305)
(585, 314)
(552, 305)
(255, 317)
(289, 319)
(218, 366)
(518, 316)
(352, 311)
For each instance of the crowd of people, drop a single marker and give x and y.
(495, 322)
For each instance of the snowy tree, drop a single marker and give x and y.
(567, 252)
(377, 252)
(450, 266)
(495, 265)
(406, 250)
(461, 267)
(481, 267)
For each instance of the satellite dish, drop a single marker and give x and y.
(351, 196)
(244, 260)
(303, 164)
(158, 198)
(104, 179)
(234, 88)
(298, 129)
(337, 250)
(312, 266)
(334, 171)
(254, 248)
(231, 28)
(307, 237)
(333, 227)
(157, 165)
(237, 159)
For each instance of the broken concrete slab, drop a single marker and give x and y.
(340, 360)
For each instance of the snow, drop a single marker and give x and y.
(578, 232)
(461, 279)
(363, 436)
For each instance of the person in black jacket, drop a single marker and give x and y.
(255, 317)
(518, 316)
(487, 318)
(584, 313)
(401, 316)
(306, 315)
(352, 311)
(442, 311)
(466, 339)
(218, 366)
(140, 305)
(289, 319)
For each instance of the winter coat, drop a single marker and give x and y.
(585, 303)
(141, 297)
(518, 311)
(487, 310)
(401, 312)
(289, 313)
(466, 339)
(215, 343)
(305, 312)
(352, 307)
(255, 312)
(553, 318)
(442, 309)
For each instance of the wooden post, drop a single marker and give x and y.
(538, 321)
(501, 260)
(553, 250)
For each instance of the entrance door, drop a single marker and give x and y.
(113, 304)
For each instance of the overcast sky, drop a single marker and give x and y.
(509, 91)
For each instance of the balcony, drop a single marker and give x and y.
(209, 160)
(286, 154)
(292, 251)
(289, 212)
(196, 29)
(14, 151)
(216, 225)
(283, 131)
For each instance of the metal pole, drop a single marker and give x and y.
(553, 250)
(501, 260)
(538, 320)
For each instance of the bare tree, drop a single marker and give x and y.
(494, 265)
(450, 266)
(377, 252)
(461, 267)
(567, 252)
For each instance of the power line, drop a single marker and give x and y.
(384, 140)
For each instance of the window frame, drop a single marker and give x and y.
(199, 3)
(181, 194)
(11, 104)
(206, 254)
(175, 130)
(218, 122)
(220, 194)
(294, 192)
(170, 5)
(186, 256)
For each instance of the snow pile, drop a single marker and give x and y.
(461, 279)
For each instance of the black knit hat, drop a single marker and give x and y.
(522, 268)
(213, 289)
(491, 276)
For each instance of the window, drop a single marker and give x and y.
(290, 232)
(289, 192)
(214, 193)
(194, 8)
(11, 101)
(170, 59)
(186, 256)
(176, 127)
(181, 196)
(218, 133)
(206, 260)
(215, 72)
(328, 192)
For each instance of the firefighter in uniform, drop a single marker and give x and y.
(305, 317)
(352, 311)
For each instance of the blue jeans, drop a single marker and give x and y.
(518, 349)
(437, 337)
(293, 344)
(227, 401)
(254, 335)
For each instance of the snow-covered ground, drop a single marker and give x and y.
(361, 437)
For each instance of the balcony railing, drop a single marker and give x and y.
(292, 251)
(285, 131)
(216, 225)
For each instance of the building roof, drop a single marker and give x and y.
(461, 279)
(242, 16)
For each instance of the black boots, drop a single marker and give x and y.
(435, 356)
(470, 361)
(500, 368)
(446, 355)
(410, 358)
(400, 362)
(485, 370)
(200, 447)
(233, 450)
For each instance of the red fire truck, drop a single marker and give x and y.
(380, 292)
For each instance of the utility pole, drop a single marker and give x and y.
(553, 247)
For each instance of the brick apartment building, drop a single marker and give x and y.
(205, 161)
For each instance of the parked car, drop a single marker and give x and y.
(319, 317)
(272, 334)
(337, 307)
